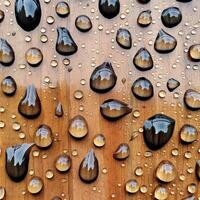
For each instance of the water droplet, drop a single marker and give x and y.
(172, 84)
(197, 169)
(50, 19)
(99, 140)
(136, 113)
(192, 99)
(171, 17)
(103, 78)
(83, 23)
(166, 171)
(113, 109)
(2, 192)
(78, 94)
(138, 171)
(49, 174)
(142, 89)
(191, 197)
(66, 61)
(8, 86)
(30, 105)
(56, 198)
(89, 168)
(2, 15)
(143, 60)
(33, 56)
(162, 93)
(132, 186)
(143, 189)
(74, 152)
(78, 127)
(194, 52)
(158, 130)
(124, 38)
(63, 163)
(144, 19)
(62, 9)
(161, 193)
(164, 43)
(35, 185)
(59, 110)
(43, 38)
(192, 188)
(28, 19)
(16, 126)
(175, 152)
(65, 44)
(54, 63)
(109, 8)
(21, 135)
(188, 133)
(122, 152)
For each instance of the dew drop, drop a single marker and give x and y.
(83, 23)
(63, 163)
(33, 56)
(144, 19)
(62, 9)
(122, 152)
(132, 186)
(8, 86)
(99, 140)
(35, 185)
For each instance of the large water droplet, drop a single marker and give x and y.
(28, 14)
(144, 19)
(8, 86)
(172, 84)
(161, 193)
(122, 152)
(63, 163)
(103, 78)
(89, 168)
(113, 109)
(171, 17)
(83, 23)
(132, 186)
(35, 185)
(158, 129)
(194, 52)
(7, 55)
(65, 44)
(30, 105)
(62, 9)
(124, 38)
(33, 56)
(109, 8)
(192, 99)
(165, 43)
(17, 159)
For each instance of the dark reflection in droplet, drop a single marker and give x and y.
(191, 197)
(62, 9)
(65, 44)
(194, 52)
(35, 185)
(192, 99)
(113, 109)
(143, 1)
(188, 133)
(30, 105)
(184, 1)
(28, 14)
(172, 84)
(171, 17)
(83, 23)
(8, 86)
(78, 127)
(2, 15)
(89, 168)
(197, 169)
(124, 38)
(109, 8)
(17, 159)
(122, 152)
(142, 89)
(56, 198)
(34, 56)
(43, 137)
(7, 55)
(103, 78)
(158, 130)
(63, 163)
(143, 60)
(144, 19)
(59, 110)
(165, 43)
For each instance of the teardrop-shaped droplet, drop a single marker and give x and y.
(143, 60)
(191, 197)
(30, 105)
(33, 56)
(143, 1)
(188, 134)
(78, 127)
(7, 55)
(65, 44)
(172, 84)
(194, 52)
(166, 171)
(132, 186)
(28, 14)
(89, 168)
(158, 130)
(124, 38)
(184, 1)
(142, 89)
(83, 23)
(122, 152)
(165, 43)
(35, 185)
(171, 17)
(103, 78)
(8, 86)
(2, 15)
(63, 163)
(144, 19)
(43, 136)
(192, 99)
(59, 110)
(62, 9)
(109, 8)
(161, 193)
(197, 169)
(17, 159)
(113, 109)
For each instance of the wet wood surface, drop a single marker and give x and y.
(96, 47)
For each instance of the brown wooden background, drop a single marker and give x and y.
(100, 46)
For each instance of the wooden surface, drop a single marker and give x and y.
(100, 46)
